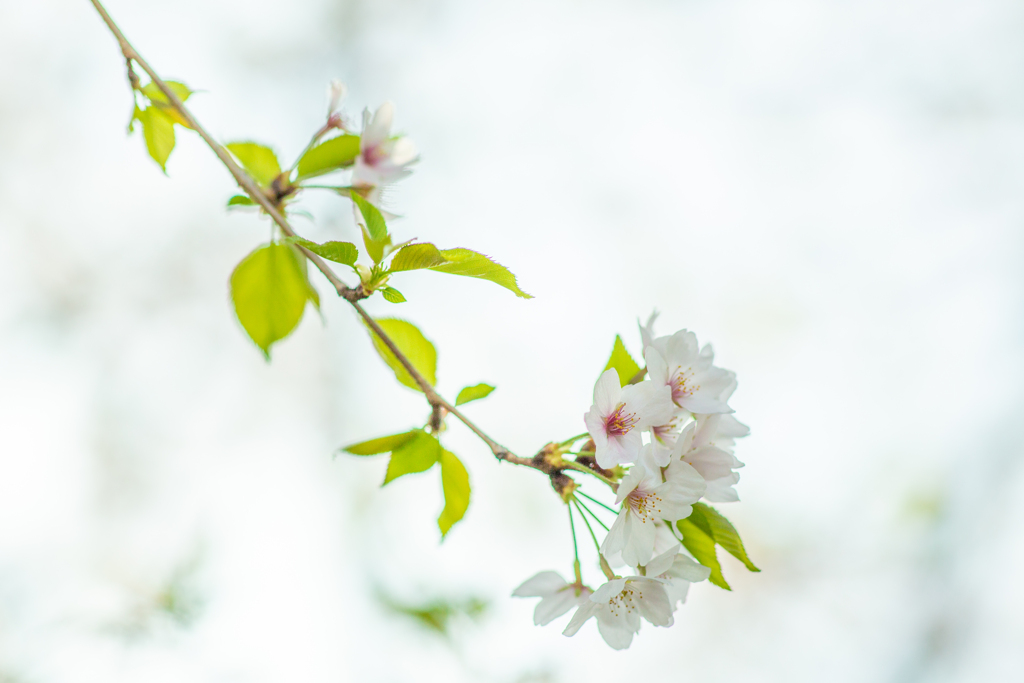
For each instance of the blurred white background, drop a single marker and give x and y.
(828, 191)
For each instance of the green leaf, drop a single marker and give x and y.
(328, 156)
(162, 103)
(372, 219)
(241, 200)
(472, 264)
(702, 546)
(158, 131)
(269, 289)
(413, 345)
(455, 482)
(418, 454)
(339, 252)
(259, 161)
(705, 528)
(473, 393)
(415, 257)
(155, 94)
(713, 523)
(384, 444)
(392, 295)
(622, 362)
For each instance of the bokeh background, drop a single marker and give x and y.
(831, 192)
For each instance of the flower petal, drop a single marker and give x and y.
(616, 631)
(607, 591)
(607, 392)
(662, 563)
(585, 611)
(554, 606)
(540, 585)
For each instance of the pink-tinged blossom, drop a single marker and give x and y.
(645, 500)
(620, 414)
(707, 444)
(382, 158)
(695, 383)
(557, 596)
(618, 606)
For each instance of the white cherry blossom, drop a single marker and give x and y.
(699, 447)
(695, 383)
(620, 414)
(645, 498)
(557, 595)
(618, 606)
(382, 158)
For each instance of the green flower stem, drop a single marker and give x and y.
(594, 500)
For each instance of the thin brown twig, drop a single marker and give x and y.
(350, 294)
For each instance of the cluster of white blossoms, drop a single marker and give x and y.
(675, 432)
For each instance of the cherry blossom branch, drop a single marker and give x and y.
(553, 467)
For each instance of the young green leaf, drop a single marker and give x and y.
(240, 200)
(155, 94)
(158, 131)
(713, 523)
(259, 161)
(391, 294)
(622, 362)
(372, 220)
(339, 152)
(339, 252)
(473, 393)
(269, 290)
(418, 454)
(157, 97)
(472, 264)
(455, 482)
(413, 345)
(702, 546)
(415, 257)
(705, 528)
(384, 444)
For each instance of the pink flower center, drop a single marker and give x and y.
(375, 155)
(679, 383)
(619, 422)
(666, 433)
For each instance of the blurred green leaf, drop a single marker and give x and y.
(438, 614)
(383, 444)
(339, 252)
(269, 290)
(413, 345)
(162, 103)
(415, 257)
(393, 295)
(241, 200)
(455, 482)
(260, 161)
(328, 156)
(153, 92)
(473, 264)
(622, 362)
(702, 547)
(372, 220)
(473, 393)
(418, 454)
(158, 132)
